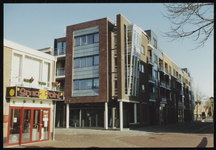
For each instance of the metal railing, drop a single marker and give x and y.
(59, 51)
(150, 60)
(161, 68)
(151, 78)
(60, 72)
(168, 85)
(163, 98)
(152, 96)
(162, 83)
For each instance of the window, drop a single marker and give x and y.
(82, 84)
(76, 60)
(83, 62)
(89, 84)
(156, 75)
(89, 61)
(142, 68)
(173, 72)
(90, 39)
(96, 37)
(83, 40)
(77, 41)
(96, 60)
(143, 88)
(155, 43)
(87, 39)
(142, 49)
(86, 61)
(155, 59)
(76, 84)
(96, 83)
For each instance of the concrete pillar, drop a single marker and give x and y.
(106, 115)
(67, 115)
(113, 117)
(135, 113)
(80, 117)
(121, 115)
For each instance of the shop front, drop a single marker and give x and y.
(30, 114)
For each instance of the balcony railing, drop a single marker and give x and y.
(161, 68)
(152, 96)
(162, 84)
(60, 72)
(59, 51)
(168, 86)
(151, 78)
(181, 103)
(150, 61)
(163, 98)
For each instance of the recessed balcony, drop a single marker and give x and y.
(163, 99)
(59, 51)
(163, 84)
(167, 72)
(60, 73)
(161, 68)
(152, 97)
(150, 61)
(167, 86)
(151, 79)
(150, 45)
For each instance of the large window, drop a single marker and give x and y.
(142, 49)
(155, 43)
(84, 84)
(87, 39)
(86, 61)
(142, 68)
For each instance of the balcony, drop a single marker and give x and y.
(152, 97)
(163, 99)
(178, 80)
(167, 86)
(59, 51)
(181, 104)
(181, 92)
(161, 68)
(60, 72)
(163, 84)
(151, 79)
(150, 61)
(150, 45)
(167, 72)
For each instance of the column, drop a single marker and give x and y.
(106, 116)
(67, 115)
(80, 117)
(135, 113)
(113, 117)
(121, 115)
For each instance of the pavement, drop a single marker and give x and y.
(193, 134)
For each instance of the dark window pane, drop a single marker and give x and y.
(89, 84)
(83, 62)
(76, 60)
(77, 41)
(89, 61)
(96, 83)
(96, 60)
(82, 84)
(64, 47)
(90, 39)
(83, 40)
(76, 85)
(96, 37)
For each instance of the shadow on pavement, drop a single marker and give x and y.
(189, 127)
(203, 143)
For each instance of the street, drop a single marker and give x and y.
(194, 134)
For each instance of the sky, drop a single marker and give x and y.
(37, 25)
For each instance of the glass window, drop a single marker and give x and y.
(83, 62)
(143, 49)
(77, 41)
(96, 37)
(96, 60)
(83, 40)
(76, 85)
(82, 84)
(143, 87)
(76, 61)
(142, 68)
(90, 39)
(59, 45)
(96, 83)
(64, 46)
(89, 61)
(89, 84)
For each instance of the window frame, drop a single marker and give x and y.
(86, 81)
(142, 49)
(86, 39)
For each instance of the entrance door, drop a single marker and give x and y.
(28, 125)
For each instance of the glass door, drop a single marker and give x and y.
(26, 125)
(14, 126)
(45, 125)
(36, 125)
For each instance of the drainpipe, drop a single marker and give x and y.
(54, 114)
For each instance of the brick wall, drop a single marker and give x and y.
(103, 62)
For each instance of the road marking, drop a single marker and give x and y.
(201, 128)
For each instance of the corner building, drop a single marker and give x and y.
(114, 76)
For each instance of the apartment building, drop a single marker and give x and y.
(29, 95)
(114, 75)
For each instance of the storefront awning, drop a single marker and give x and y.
(26, 92)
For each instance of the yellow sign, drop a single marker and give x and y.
(43, 93)
(12, 92)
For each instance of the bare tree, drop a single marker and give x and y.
(199, 97)
(190, 20)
